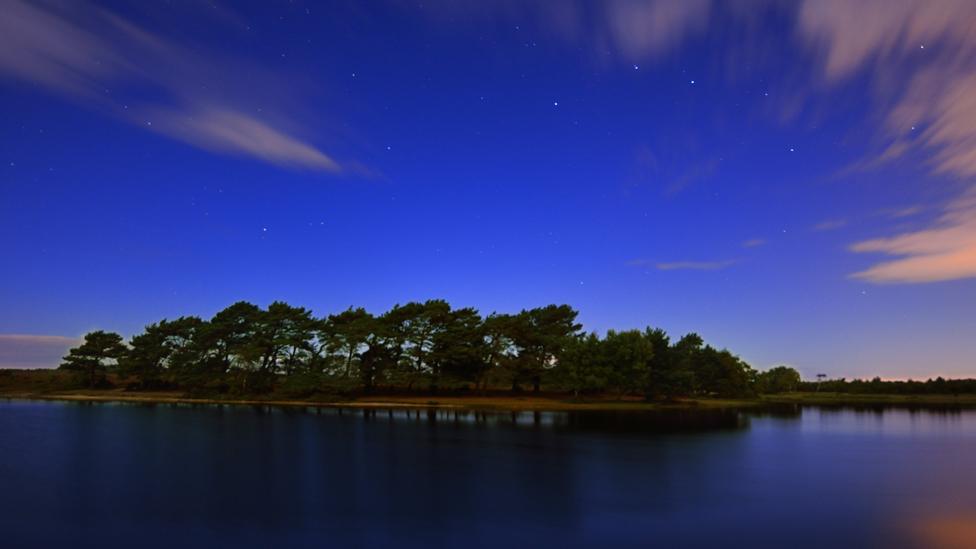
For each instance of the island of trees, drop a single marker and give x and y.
(427, 347)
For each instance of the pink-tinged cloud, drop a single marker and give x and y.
(640, 28)
(694, 265)
(34, 351)
(830, 225)
(82, 52)
(854, 34)
(944, 252)
(932, 110)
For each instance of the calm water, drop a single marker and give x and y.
(161, 476)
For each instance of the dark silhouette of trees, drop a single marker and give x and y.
(346, 334)
(781, 379)
(935, 386)
(540, 335)
(430, 346)
(627, 359)
(99, 351)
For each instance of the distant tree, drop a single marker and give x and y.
(416, 327)
(541, 334)
(229, 337)
(99, 351)
(583, 367)
(499, 347)
(781, 379)
(147, 356)
(348, 333)
(283, 337)
(673, 371)
(663, 379)
(376, 360)
(460, 351)
(720, 373)
(188, 358)
(629, 356)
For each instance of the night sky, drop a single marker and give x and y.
(791, 180)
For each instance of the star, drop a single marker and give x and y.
(636, 67)
(692, 81)
(555, 103)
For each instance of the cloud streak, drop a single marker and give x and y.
(33, 351)
(105, 61)
(931, 46)
(946, 251)
(830, 225)
(630, 30)
(693, 265)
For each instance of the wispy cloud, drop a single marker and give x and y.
(899, 213)
(109, 62)
(830, 224)
(946, 251)
(754, 243)
(212, 128)
(33, 351)
(931, 47)
(694, 265)
(629, 30)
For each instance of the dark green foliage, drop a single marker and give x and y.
(627, 356)
(877, 386)
(99, 351)
(584, 368)
(286, 351)
(540, 335)
(346, 333)
(781, 379)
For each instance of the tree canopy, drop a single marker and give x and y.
(418, 346)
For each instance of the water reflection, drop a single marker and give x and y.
(203, 475)
(953, 530)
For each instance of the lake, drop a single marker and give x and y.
(135, 475)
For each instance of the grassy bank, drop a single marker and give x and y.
(472, 402)
(60, 385)
(844, 399)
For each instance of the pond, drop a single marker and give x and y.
(125, 475)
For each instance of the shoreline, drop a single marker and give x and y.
(504, 403)
(470, 403)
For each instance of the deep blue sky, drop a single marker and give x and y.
(788, 184)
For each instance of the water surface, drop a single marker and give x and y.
(124, 475)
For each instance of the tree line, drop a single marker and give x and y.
(426, 346)
(877, 386)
